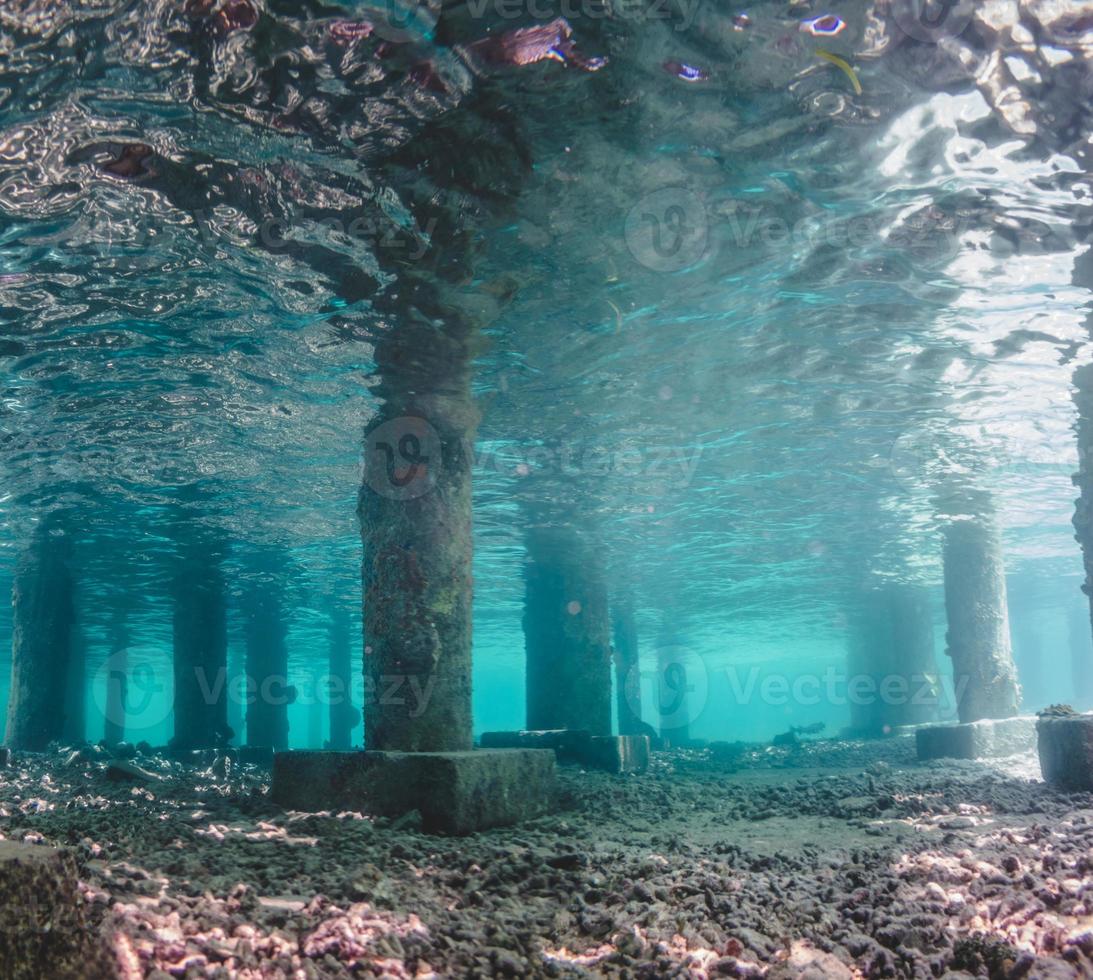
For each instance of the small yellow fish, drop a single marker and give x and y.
(842, 66)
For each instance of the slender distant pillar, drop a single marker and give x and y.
(42, 611)
(979, 636)
(566, 633)
(75, 705)
(415, 514)
(267, 668)
(627, 672)
(673, 690)
(117, 682)
(200, 654)
(911, 692)
(1026, 630)
(869, 657)
(344, 717)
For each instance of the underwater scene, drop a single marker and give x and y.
(546, 488)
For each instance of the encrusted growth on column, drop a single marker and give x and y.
(984, 675)
(41, 638)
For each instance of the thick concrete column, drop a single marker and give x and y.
(200, 652)
(267, 669)
(415, 513)
(912, 693)
(344, 717)
(117, 681)
(984, 676)
(566, 633)
(43, 613)
(627, 669)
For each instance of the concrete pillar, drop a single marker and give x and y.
(627, 669)
(912, 691)
(42, 610)
(267, 668)
(673, 689)
(117, 680)
(200, 651)
(415, 514)
(868, 652)
(984, 676)
(344, 717)
(566, 633)
(75, 703)
(1026, 629)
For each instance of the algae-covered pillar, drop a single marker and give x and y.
(43, 613)
(567, 633)
(415, 514)
(117, 680)
(267, 669)
(627, 668)
(200, 648)
(984, 676)
(344, 717)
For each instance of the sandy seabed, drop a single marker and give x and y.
(833, 860)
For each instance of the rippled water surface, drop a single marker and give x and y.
(755, 332)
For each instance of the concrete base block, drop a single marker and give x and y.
(567, 744)
(455, 792)
(259, 755)
(42, 928)
(986, 739)
(617, 753)
(1065, 743)
(612, 753)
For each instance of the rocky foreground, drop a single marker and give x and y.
(829, 860)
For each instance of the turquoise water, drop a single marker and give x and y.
(748, 332)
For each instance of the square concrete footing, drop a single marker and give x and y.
(1065, 743)
(617, 753)
(990, 738)
(566, 743)
(43, 932)
(611, 753)
(455, 792)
